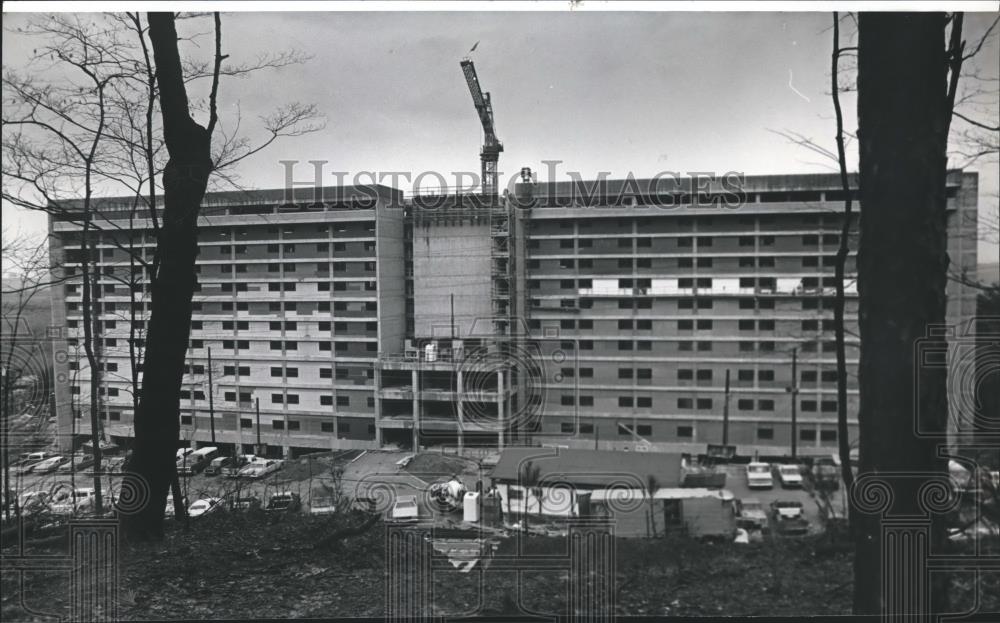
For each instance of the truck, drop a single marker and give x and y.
(197, 461)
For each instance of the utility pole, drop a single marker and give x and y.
(211, 402)
(725, 413)
(258, 427)
(794, 391)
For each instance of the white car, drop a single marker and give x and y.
(759, 476)
(260, 468)
(49, 465)
(204, 506)
(405, 509)
(790, 476)
(82, 500)
(322, 506)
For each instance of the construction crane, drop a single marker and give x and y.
(492, 146)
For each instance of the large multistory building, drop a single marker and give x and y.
(585, 314)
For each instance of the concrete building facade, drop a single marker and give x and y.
(605, 314)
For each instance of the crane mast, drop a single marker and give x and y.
(492, 146)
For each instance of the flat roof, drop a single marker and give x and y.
(599, 468)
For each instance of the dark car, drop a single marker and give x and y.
(284, 502)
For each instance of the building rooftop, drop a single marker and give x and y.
(598, 468)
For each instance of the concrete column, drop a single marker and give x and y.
(415, 377)
(459, 395)
(500, 409)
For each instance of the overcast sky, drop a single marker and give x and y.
(618, 92)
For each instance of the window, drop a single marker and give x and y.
(644, 430)
(685, 432)
(684, 403)
(246, 423)
(765, 405)
(586, 401)
(567, 427)
(186, 420)
(566, 401)
(278, 425)
(808, 405)
(744, 404)
(765, 375)
(625, 401)
(807, 434)
(685, 374)
(624, 345)
(828, 406)
(624, 373)
(230, 396)
(765, 433)
(704, 403)
(326, 427)
(704, 375)
(343, 401)
(644, 402)
(828, 435)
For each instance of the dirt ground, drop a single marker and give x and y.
(257, 566)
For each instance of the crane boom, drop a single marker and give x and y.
(492, 147)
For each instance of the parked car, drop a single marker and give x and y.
(218, 463)
(826, 473)
(790, 476)
(233, 469)
(204, 506)
(183, 452)
(79, 462)
(789, 518)
(750, 512)
(29, 460)
(322, 506)
(81, 501)
(284, 501)
(246, 504)
(405, 509)
(786, 509)
(260, 468)
(759, 476)
(49, 465)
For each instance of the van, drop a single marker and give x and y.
(197, 461)
(218, 463)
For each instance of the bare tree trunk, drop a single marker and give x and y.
(185, 180)
(843, 442)
(903, 115)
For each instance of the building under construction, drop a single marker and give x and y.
(627, 314)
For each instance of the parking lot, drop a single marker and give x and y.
(736, 482)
